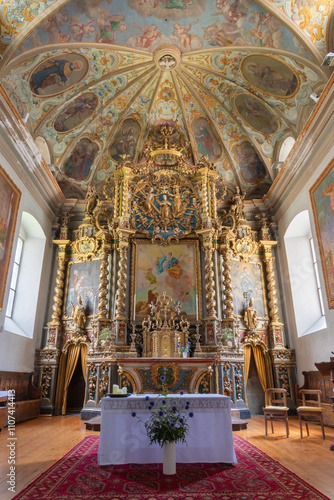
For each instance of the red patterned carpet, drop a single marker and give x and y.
(77, 476)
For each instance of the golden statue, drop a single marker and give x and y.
(250, 316)
(165, 211)
(79, 314)
(91, 200)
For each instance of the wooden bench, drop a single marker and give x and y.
(27, 396)
(314, 380)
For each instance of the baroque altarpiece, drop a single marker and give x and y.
(164, 276)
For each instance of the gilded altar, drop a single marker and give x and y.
(164, 258)
(165, 330)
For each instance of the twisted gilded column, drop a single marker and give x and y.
(275, 327)
(103, 286)
(59, 289)
(213, 198)
(207, 243)
(272, 292)
(227, 282)
(123, 247)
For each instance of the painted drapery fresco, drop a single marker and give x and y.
(270, 75)
(9, 203)
(83, 279)
(76, 112)
(171, 269)
(80, 161)
(322, 197)
(58, 74)
(255, 114)
(251, 166)
(247, 277)
(206, 141)
(125, 140)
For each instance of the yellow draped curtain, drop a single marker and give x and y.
(263, 367)
(67, 364)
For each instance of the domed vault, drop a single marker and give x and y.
(93, 81)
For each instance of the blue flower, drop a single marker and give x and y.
(149, 407)
(186, 407)
(152, 403)
(147, 398)
(191, 414)
(172, 424)
(181, 420)
(163, 402)
(181, 393)
(162, 378)
(187, 403)
(161, 413)
(174, 408)
(133, 413)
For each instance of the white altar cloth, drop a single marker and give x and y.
(123, 438)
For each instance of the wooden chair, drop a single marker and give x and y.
(311, 410)
(277, 409)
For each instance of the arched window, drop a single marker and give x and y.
(304, 276)
(25, 279)
(286, 148)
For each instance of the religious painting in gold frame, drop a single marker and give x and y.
(247, 277)
(9, 204)
(322, 198)
(174, 269)
(83, 278)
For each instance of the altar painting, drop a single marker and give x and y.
(83, 278)
(166, 268)
(247, 277)
(322, 197)
(9, 203)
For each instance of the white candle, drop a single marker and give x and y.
(196, 307)
(134, 308)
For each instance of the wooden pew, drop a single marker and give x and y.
(27, 396)
(314, 380)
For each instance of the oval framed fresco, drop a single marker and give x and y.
(58, 74)
(251, 167)
(270, 75)
(125, 140)
(76, 112)
(255, 113)
(78, 165)
(206, 140)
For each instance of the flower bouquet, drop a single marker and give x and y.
(168, 422)
(184, 349)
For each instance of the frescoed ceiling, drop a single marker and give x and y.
(93, 80)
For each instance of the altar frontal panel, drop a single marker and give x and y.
(172, 269)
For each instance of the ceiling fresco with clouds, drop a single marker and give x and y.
(96, 79)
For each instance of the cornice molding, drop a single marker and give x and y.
(311, 148)
(22, 154)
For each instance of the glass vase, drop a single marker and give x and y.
(169, 458)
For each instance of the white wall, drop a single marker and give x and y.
(314, 347)
(17, 353)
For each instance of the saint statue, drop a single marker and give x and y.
(79, 314)
(91, 200)
(250, 316)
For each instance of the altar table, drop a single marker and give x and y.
(123, 438)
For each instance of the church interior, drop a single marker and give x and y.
(166, 216)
